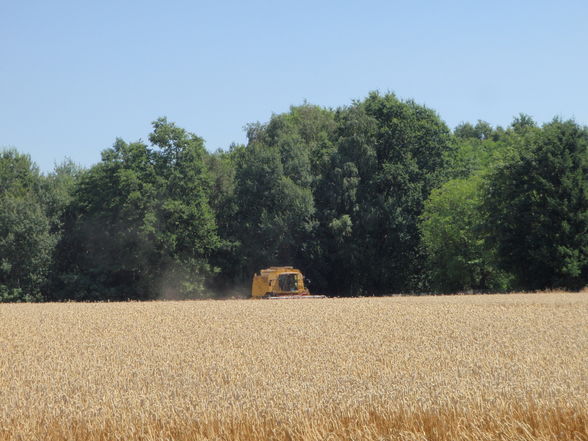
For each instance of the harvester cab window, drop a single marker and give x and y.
(288, 282)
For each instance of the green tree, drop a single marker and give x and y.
(56, 192)
(189, 233)
(26, 243)
(139, 225)
(481, 131)
(452, 229)
(221, 167)
(303, 137)
(536, 205)
(342, 197)
(477, 148)
(390, 155)
(271, 215)
(275, 214)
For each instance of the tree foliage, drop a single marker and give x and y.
(26, 242)
(373, 198)
(452, 225)
(140, 225)
(274, 180)
(536, 205)
(390, 155)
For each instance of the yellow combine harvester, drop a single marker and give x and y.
(280, 282)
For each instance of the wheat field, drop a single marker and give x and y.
(496, 367)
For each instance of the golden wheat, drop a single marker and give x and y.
(400, 368)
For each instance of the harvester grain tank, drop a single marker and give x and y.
(280, 282)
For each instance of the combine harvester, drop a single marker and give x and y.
(280, 282)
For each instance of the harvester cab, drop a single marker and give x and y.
(280, 282)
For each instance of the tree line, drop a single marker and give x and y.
(373, 198)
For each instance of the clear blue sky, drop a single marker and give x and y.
(74, 75)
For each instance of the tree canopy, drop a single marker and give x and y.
(139, 225)
(536, 205)
(372, 198)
